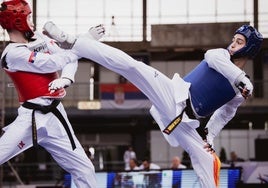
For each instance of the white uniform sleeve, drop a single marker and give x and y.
(219, 60)
(222, 116)
(69, 71)
(22, 59)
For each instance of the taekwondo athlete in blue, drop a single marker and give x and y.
(178, 103)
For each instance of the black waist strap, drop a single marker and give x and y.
(176, 121)
(46, 109)
(188, 110)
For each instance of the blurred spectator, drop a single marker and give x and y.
(133, 165)
(129, 154)
(148, 165)
(176, 163)
(223, 157)
(186, 159)
(234, 158)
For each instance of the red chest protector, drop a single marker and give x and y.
(31, 85)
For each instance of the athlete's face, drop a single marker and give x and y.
(238, 42)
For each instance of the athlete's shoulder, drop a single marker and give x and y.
(11, 48)
(218, 52)
(217, 55)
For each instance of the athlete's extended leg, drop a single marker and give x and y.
(155, 85)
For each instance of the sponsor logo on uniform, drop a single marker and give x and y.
(155, 74)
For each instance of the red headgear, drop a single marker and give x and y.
(13, 15)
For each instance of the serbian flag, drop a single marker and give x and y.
(122, 96)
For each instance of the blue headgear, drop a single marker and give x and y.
(253, 42)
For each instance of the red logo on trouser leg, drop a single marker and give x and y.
(21, 144)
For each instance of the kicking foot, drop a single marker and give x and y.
(65, 40)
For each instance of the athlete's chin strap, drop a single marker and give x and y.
(46, 109)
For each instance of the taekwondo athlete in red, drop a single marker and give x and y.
(218, 84)
(32, 60)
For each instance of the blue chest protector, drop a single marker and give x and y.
(209, 89)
